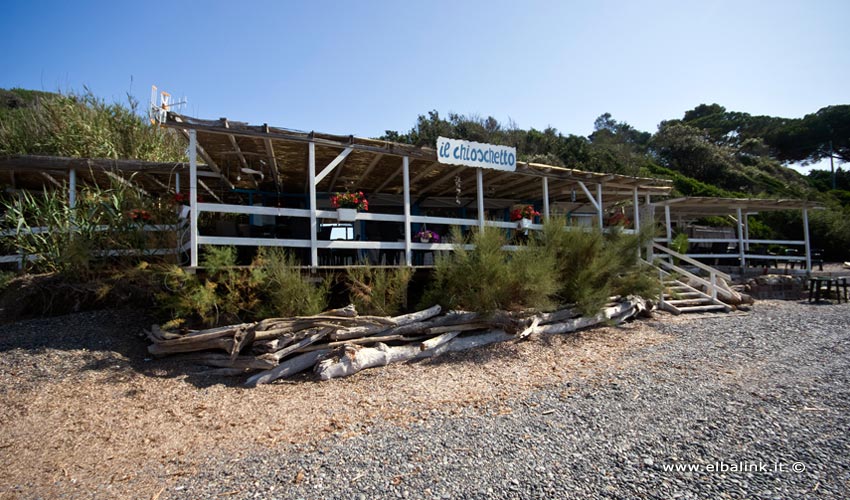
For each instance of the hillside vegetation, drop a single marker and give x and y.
(708, 152)
(81, 125)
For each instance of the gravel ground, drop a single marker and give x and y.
(602, 414)
(768, 392)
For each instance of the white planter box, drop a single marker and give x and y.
(346, 214)
(524, 223)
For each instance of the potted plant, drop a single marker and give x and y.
(347, 204)
(524, 215)
(427, 236)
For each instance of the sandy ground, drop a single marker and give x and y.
(84, 413)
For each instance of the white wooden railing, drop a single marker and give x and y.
(710, 283)
(182, 246)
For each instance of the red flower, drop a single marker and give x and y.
(138, 214)
(526, 212)
(350, 200)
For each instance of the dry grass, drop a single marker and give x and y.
(103, 424)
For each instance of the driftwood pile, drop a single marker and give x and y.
(339, 342)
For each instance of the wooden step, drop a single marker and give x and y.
(685, 295)
(711, 307)
(690, 302)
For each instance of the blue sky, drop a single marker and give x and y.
(364, 67)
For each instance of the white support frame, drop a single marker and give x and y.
(408, 236)
(193, 198)
(667, 226)
(599, 206)
(479, 180)
(806, 240)
(311, 180)
(72, 188)
(636, 202)
(741, 251)
(332, 165)
(546, 198)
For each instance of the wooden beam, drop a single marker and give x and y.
(589, 196)
(425, 171)
(332, 165)
(518, 186)
(369, 169)
(157, 182)
(273, 163)
(335, 178)
(390, 178)
(52, 179)
(129, 184)
(209, 161)
(209, 191)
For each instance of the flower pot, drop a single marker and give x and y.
(425, 239)
(346, 214)
(524, 223)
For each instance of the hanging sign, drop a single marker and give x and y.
(475, 154)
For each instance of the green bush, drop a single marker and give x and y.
(377, 290)
(272, 286)
(68, 240)
(487, 278)
(288, 291)
(592, 266)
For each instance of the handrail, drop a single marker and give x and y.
(692, 262)
(710, 284)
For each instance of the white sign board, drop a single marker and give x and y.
(475, 154)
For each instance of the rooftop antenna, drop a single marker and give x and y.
(159, 108)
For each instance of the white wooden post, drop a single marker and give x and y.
(668, 226)
(599, 205)
(479, 175)
(546, 198)
(650, 254)
(311, 180)
(72, 188)
(741, 255)
(193, 198)
(405, 176)
(747, 231)
(636, 203)
(176, 182)
(806, 240)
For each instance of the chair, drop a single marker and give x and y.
(791, 252)
(817, 258)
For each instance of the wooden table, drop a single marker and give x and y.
(823, 285)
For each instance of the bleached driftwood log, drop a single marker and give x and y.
(353, 359)
(340, 343)
(296, 364)
(350, 359)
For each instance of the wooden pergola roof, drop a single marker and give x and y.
(705, 206)
(35, 171)
(275, 159)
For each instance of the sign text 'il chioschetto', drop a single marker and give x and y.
(475, 154)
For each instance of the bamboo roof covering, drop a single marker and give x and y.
(36, 172)
(277, 158)
(705, 206)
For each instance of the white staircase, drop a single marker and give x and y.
(679, 296)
